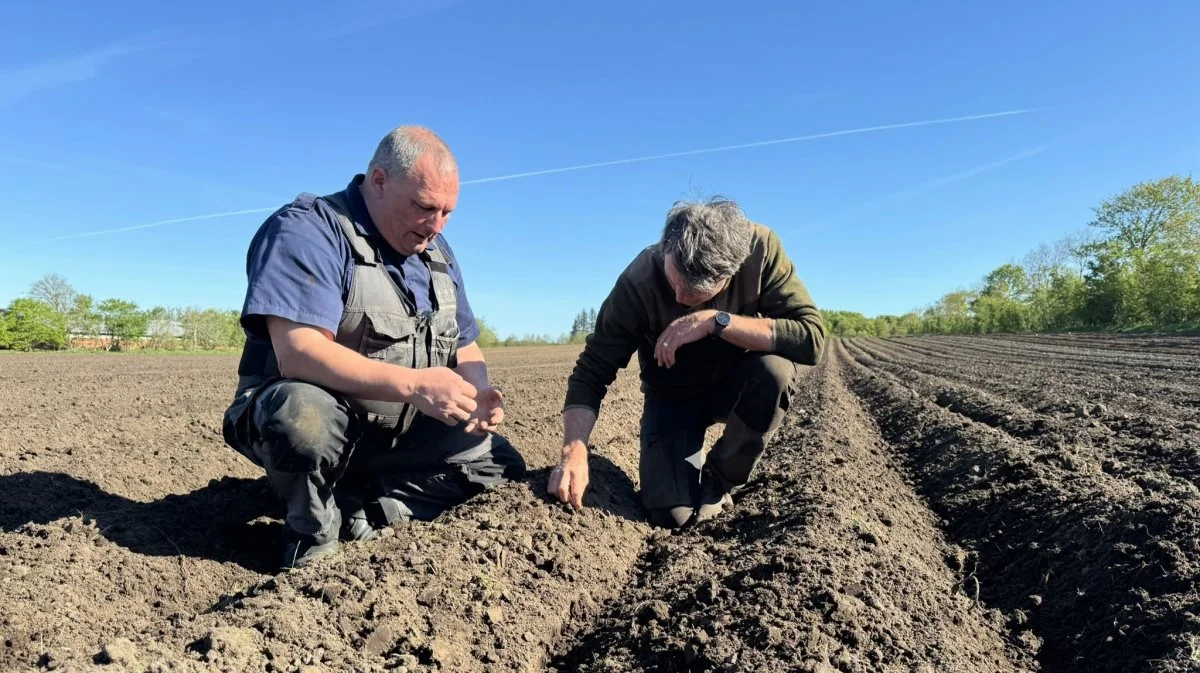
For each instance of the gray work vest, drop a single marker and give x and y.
(380, 322)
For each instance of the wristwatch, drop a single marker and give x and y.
(722, 319)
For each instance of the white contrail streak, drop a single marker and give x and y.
(150, 225)
(927, 186)
(579, 167)
(744, 146)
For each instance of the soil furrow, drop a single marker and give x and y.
(1044, 382)
(1100, 569)
(1149, 451)
(1088, 359)
(827, 562)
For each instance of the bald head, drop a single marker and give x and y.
(410, 188)
(399, 151)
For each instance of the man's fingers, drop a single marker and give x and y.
(564, 486)
(468, 404)
(578, 486)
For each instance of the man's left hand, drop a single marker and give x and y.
(691, 327)
(489, 412)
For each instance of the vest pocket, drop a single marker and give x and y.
(389, 338)
(444, 351)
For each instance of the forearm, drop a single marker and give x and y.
(753, 334)
(800, 339)
(308, 354)
(578, 423)
(472, 367)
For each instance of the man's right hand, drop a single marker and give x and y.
(569, 480)
(441, 393)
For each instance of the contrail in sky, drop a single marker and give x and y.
(927, 186)
(743, 146)
(578, 167)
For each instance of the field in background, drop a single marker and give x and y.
(936, 503)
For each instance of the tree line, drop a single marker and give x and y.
(1135, 267)
(54, 316)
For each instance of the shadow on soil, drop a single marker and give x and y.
(227, 520)
(216, 522)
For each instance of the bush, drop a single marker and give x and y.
(30, 324)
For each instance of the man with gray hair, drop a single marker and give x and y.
(361, 390)
(720, 322)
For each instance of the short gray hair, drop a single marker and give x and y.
(399, 150)
(709, 240)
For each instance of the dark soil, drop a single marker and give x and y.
(932, 504)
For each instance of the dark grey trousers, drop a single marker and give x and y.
(752, 402)
(321, 457)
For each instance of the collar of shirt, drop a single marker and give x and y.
(362, 217)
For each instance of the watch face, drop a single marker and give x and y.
(723, 319)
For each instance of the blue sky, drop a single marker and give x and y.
(155, 112)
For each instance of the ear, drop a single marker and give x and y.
(376, 180)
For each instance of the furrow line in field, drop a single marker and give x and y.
(828, 561)
(1099, 568)
(1139, 448)
(1041, 381)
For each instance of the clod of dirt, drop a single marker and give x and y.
(494, 615)
(654, 611)
(380, 640)
(119, 651)
(868, 537)
(1081, 411)
(230, 643)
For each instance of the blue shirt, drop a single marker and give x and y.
(299, 267)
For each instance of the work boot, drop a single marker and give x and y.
(671, 518)
(299, 552)
(714, 497)
(365, 523)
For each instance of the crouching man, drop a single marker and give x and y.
(720, 322)
(362, 393)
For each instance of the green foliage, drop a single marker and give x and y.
(210, 328)
(30, 324)
(122, 321)
(82, 317)
(487, 336)
(583, 325)
(534, 340)
(1140, 268)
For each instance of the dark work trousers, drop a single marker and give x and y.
(752, 402)
(319, 456)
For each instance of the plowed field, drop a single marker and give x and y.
(932, 504)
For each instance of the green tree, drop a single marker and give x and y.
(31, 324)
(122, 321)
(210, 329)
(1151, 214)
(487, 336)
(82, 318)
(1007, 281)
(583, 325)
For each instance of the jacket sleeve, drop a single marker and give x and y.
(620, 325)
(799, 328)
